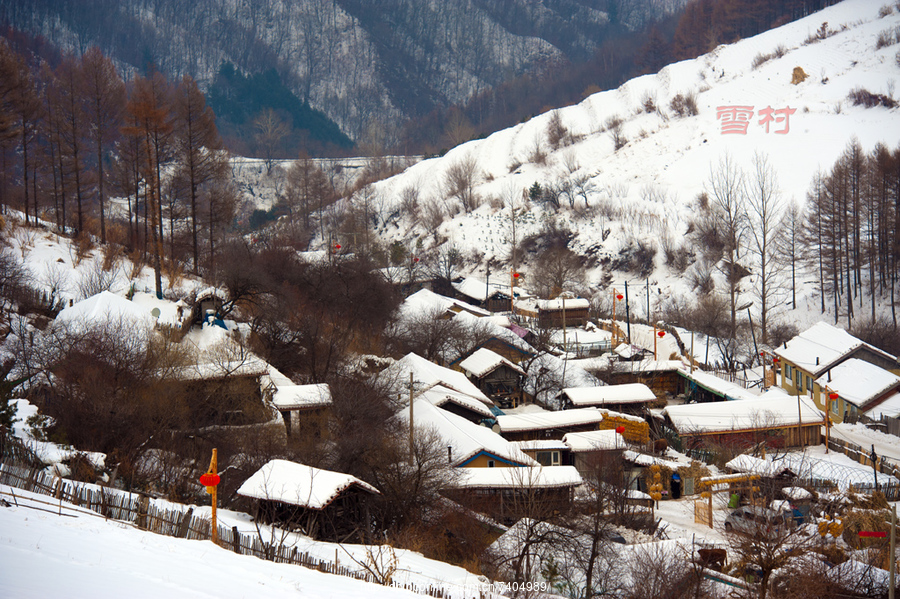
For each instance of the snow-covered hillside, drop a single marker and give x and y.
(646, 189)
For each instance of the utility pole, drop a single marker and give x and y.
(412, 439)
(893, 547)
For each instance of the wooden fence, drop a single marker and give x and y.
(179, 521)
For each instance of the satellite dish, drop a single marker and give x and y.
(496, 428)
(155, 312)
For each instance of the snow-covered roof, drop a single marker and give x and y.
(858, 381)
(480, 290)
(796, 493)
(482, 361)
(102, 308)
(425, 301)
(299, 484)
(440, 395)
(642, 459)
(540, 445)
(249, 366)
(610, 394)
(426, 374)
(594, 441)
(547, 374)
(717, 386)
(819, 347)
(537, 477)
(465, 438)
(513, 423)
(888, 407)
(749, 464)
(293, 397)
(577, 303)
(774, 410)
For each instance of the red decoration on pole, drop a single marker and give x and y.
(833, 396)
(515, 275)
(872, 533)
(620, 297)
(415, 259)
(620, 429)
(209, 480)
(661, 334)
(337, 246)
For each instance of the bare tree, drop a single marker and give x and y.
(270, 130)
(727, 204)
(105, 101)
(766, 213)
(460, 181)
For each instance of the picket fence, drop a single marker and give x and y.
(175, 520)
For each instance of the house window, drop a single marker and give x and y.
(547, 458)
(799, 380)
(809, 382)
(788, 373)
(490, 463)
(834, 406)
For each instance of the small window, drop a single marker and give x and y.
(490, 463)
(788, 373)
(809, 382)
(798, 379)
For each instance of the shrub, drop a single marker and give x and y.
(888, 37)
(648, 102)
(684, 105)
(863, 97)
(885, 11)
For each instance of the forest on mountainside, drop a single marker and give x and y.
(407, 78)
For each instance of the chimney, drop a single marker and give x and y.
(450, 454)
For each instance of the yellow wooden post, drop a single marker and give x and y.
(214, 469)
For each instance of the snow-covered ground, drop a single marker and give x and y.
(43, 554)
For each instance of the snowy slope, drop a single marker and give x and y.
(645, 190)
(46, 555)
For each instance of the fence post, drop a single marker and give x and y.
(185, 523)
(235, 540)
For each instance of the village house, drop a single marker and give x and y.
(556, 313)
(508, 494)
(325, 505)
(543, 424)
(806, 360)
(546, 452)
(303, 407)
(491, 296)
(774, 418)
(856, 387)
(592, 448)
(495, 376)
(631, 398)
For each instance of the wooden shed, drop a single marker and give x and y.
(322, 504)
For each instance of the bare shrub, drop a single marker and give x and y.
(96, 280)
(614, 126)
(885, 11)
(798, 75)
(433, 215)
(460, 181)
(648, 102)
(409, 201)
(684, 105)
(887, 37)
(761, 59)
(557, 133)
(863, 97)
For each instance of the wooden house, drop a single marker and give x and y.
(544, 424)
(324, 505)
(631, 398)
(555, 313)
(497, 377)
(492, 296)
(774, 418)
(860, 387)
(546, 452)
(508, 494)
(590, 448)
(304, 408)
(807, 361)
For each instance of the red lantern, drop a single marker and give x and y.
(661, 334)
(620, 297)
(620, 429)
(209, 479)
(833, 396)
(515, 275)
(337, 246)
(415, 259)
